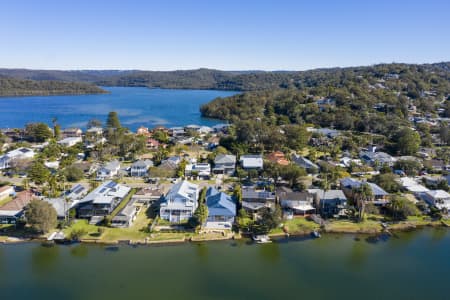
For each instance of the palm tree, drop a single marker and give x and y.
(361, 195)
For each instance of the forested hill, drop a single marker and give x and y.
(374, 99)
(223, 80)
(230, 80)
(24, 87)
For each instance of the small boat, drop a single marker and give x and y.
(315, 234)
(261, 239)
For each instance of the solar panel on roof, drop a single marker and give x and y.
(78, 189)
(111, 184)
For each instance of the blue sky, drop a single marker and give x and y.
(228, 34)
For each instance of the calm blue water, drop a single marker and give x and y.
(135, 106)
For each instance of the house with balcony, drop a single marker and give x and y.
(108, 170)
(296, 203)
(8, 159)
(224, 164)
(180, 202)
(221, 209)
(13, 210)
(437, 198)
(200, 170)
(379, 196)
(330, 203)
(254, 200)
(102, 200)
(140, 168)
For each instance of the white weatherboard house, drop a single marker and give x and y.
(109, 170)
(140, 168)
(251, 161)
(437, 198)
(180, 202)
(17, 154)
(70, 141)
(203, 170)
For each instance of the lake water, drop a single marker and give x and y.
(414, 265)
(136, 106)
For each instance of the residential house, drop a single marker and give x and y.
(13, 210)
(76, 192)
(8, 159)
(349, 185)
(152, 144)
(143, 131)
(437, 198)
(109, 170)
(6, 191)
(140, 168)
(376, 159)
(61, 206)
(327, 132)
(221, 128)
(330, 203)
(180, 202)
(412, 186)
(177, 131)
(213, 142)
(278, 157)
(67, 200)
(192, 127)
(224, 164)
(102, 200)
(173, 159)
(98, 131)
(70, 141)
(221, 209)
(323, 103)
(438, 165)
(201, 170)
(126, 216)
(72, 132)
(296, 203)
(146, 196)
(304, 162)
(203, 130)
(254, 200)
(251, 161)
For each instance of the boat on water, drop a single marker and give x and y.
(315, 234)
(261, 239)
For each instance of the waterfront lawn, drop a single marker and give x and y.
(297, 225)
(348, 226)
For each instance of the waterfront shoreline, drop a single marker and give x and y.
(404, 227)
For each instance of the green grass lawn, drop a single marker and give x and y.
(367, 225)
(298, 225)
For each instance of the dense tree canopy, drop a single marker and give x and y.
(41, 216)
